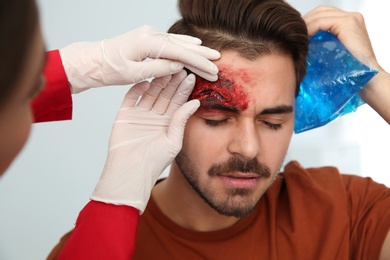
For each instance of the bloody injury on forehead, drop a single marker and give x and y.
(223, 94)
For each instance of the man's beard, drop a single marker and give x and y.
(238, 202)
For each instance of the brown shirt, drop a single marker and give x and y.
(306, 214)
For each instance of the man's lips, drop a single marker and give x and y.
(239, 175)
(239, 180)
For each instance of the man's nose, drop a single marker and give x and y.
(245, 141)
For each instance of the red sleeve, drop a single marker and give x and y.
(54, 103)
(103, 231)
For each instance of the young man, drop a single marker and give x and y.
(225, 197)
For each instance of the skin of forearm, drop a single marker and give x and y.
(377, 94)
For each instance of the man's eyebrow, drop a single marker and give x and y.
(283, 109)
(219, 106)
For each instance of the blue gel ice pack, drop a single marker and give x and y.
(333, 79)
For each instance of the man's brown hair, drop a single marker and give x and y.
(251, 28)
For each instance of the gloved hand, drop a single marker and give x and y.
(145, 139)
(121, 60)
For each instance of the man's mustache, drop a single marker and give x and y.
(235, 164)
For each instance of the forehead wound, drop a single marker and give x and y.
(224, 93)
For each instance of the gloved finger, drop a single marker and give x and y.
(134, 93)
(185, 38)
(190, 56)
(179, 119)
(158, 41)
(157, 68)
(181, 95)
(204, 74)
(162, 67)
(150, 30)
(147, 100)
(163, 100)
(208, 53)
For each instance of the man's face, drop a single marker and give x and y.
(235, 143)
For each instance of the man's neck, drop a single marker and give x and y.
(183, 205)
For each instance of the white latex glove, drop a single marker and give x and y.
(121, 60)
(145, 139)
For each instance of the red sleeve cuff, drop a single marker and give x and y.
(103, 231)
(54, 103)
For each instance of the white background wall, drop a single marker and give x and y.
(51, 180)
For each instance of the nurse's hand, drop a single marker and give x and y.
(145, 138)
(122, 60)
